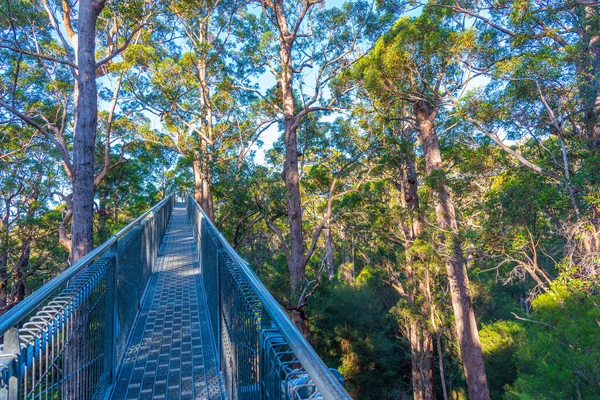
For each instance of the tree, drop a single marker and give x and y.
(415, 63)
(29, 250)
(204, 117)
(86, 117)
(543, 57)
(289, 38)
(52, 88)
(546, 31)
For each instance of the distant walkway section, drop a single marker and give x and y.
(170, 354)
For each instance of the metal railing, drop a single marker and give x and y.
(64, 341)
(261, 352)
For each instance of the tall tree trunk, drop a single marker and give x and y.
(207, 140)
(197, 169)
(588, 69)
(202, 187)
(3, 280)
(456, 271)
(427, 366)
(291, 173)
(4, 257)
(207, 198)
(85, 130)
(329, 250)
(18, 291)
(421, 357)
(291, 176)
(418, 335)
(21, 272)
(86, 113)
(295, 253)
(63, 236)
(415, 349)
(438, 338)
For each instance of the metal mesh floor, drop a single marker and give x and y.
(170, 353)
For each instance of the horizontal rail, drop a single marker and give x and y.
(327, 384)
(23, 309)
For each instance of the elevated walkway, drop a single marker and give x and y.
(170, 353)
(164, 309)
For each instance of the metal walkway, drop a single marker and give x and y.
(170, 351)
(138, 317)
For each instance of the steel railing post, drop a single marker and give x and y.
(12, 388)
(145, 258)
(110, 314)
(219, 339)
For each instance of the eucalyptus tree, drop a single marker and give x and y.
(303, 46)
(390, 220)
(416, 288)
(542, 60)
(415, 65)
(533, 39)
(49, 83)
(29, 252)
(187, 84)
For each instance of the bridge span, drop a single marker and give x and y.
(165, 309)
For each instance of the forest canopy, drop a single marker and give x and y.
(416, 182)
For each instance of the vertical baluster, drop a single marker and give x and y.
(93, 339)
(47, 357)
(12, 346)
(25, 371)
(54, 368)
(70, 384)
(69, 376)
(62, 346)
(218, 310)
(33, 367)
(50, 358)
(86, 336)
(110, 321)
(90, 342)
(77, 344)
(40, 363)
(100, 292)
(85, 341)
(58, 356)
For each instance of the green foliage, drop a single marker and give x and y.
(351, 330)
(500, 341)
(559, 356)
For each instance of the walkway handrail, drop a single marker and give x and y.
(327, 384)
(16, 314)
(66, 338)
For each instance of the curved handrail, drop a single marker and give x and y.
(13, 316)
(325, 381)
